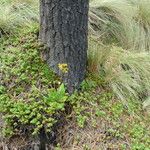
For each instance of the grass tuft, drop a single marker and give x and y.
(119, 46)
(14, 14)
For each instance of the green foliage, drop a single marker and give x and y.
(81, 102)
(88, 84)
(124, 23)
(34, 114)
(139, 136)
(93, 109)
(30, 93)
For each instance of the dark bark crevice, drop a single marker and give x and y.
(64, 27)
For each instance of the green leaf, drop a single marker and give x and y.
(34, 121)
(61, 89)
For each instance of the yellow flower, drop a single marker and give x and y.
(63, 67)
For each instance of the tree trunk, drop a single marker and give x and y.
(64, 29)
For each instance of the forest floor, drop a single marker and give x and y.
(98, 121)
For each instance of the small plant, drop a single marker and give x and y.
(30, 96)
(34, 114)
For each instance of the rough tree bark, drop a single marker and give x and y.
(64, 29)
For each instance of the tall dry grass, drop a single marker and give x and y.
(121, 29)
